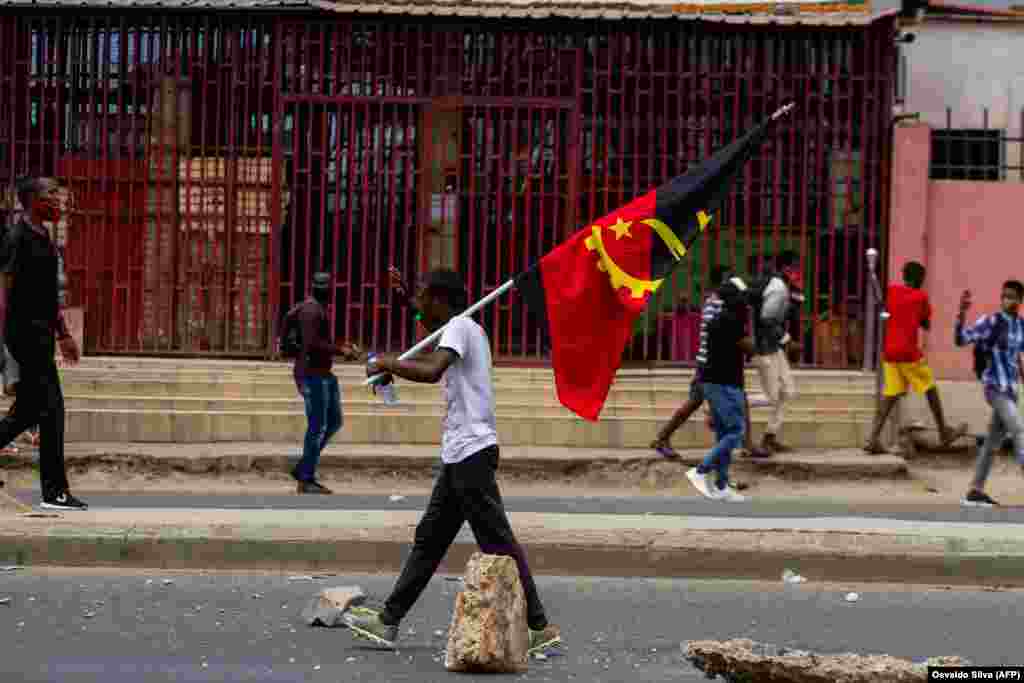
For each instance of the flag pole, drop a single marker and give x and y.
(429, 339)
(782, 110)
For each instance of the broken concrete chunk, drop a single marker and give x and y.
(327, 607)
(488, 633)
(744, 660)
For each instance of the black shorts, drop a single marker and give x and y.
(696, 391)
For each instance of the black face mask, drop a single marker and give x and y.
(322, 296)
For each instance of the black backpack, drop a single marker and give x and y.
(291, 333)
(755, 292)
(983, 349)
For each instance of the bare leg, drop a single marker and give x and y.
(881, 417)
(947, 434)
(679, 418)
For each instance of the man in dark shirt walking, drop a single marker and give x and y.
(30, 317)
(722, 385)
(316, 382)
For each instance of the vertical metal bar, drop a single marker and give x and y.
(380, 213)
(343, 274)
(367, 205)
(352, 201)
(514, 232)
(304, 156)
(496, 153)
(234, 170)
(740, 74)
(276, 82)
(342, 270)
(175, 51)
(822, 188)
(870, 138)
(392, 220)
(299, 114)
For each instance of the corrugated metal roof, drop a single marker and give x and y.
(938, 7)
(783, 12)
(778, 13)
(157, 4)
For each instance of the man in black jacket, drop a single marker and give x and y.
(31, 317)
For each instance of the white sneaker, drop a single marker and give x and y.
(700, 482)
(730, 495)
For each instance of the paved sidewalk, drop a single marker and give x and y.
(261, 456)
(836, 548)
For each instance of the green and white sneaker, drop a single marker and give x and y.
(365, 623)
(548, 637)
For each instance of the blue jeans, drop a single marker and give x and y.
(1006, 422)
(727, 412)
(323, 415)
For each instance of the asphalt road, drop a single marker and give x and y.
(944, 512)
(71, 626)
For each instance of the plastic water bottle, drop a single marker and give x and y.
(386, 388)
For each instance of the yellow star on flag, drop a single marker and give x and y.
(621, 228)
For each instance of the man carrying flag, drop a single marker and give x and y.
(633, 249)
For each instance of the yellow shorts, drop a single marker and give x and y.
(901, 376)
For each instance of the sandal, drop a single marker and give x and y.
(953, 435)
(875, 448)
(664, 450)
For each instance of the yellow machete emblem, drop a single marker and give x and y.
(638, 287)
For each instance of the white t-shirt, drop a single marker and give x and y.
(469, 423)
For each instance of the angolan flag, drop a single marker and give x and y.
(589, 291)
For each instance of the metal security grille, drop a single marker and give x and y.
(216, 161)
(351, 165)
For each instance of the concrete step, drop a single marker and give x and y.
(200, 384)
(363, 403)
(805, 382)
(120, 369)
(394, 426)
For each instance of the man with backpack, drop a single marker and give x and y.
(662, 444)
(771, 304)
(903, 364)
(998, 341)
(306, 337)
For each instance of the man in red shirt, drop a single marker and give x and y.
(903, 364)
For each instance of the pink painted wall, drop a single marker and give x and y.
(968, 235)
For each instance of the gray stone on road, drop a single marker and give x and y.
(655, 505)
(248, 627)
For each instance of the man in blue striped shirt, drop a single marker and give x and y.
(1000, 339)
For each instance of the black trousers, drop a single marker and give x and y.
(39, 401)
(464, 492)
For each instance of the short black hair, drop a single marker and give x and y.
(718, 275)
(449, 285)
(913, 271)
(788, 259)
(1015, 285)
(321, 281)
(28, 188)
